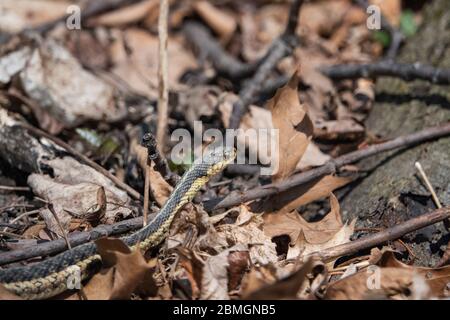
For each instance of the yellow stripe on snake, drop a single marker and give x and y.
(53, 276)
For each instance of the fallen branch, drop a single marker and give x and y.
(396, 35)
(407, 72)
(330, 167)
(11, 225)
(209, 48)
(386, 235)
(74, 238)
(243, 169)
(280, 48)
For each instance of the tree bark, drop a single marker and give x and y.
(392, 191)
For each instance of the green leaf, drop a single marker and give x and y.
(382, 37)
(407, 23)
(103, 146)
(108, 147)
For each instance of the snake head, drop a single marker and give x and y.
(218, 159)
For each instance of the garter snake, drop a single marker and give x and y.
(52, 276)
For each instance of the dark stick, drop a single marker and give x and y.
(243, 169)
(11, 225)
(408, 72)
(149, 141)
(74, 238)
(396, 35)
(208, 48)
(280, 48)
(330, 167)
(270, 87)
(389, 234)
(293, 18)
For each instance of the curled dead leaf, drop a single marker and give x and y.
(262, 146)
(247, 229)
(98, 212)
(193, 269)
(307, 238)
(215, 274)
(301, 195)
(295, 128)
(436, 279)
(391, 278)
(286, 288)
(78, 200)
(292, 223)
(365, 284)
(125, 272)
(238, 262)
(303, 248)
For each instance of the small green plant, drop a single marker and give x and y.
(382, 37)
(407, 23)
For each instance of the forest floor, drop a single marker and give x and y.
(105, 105)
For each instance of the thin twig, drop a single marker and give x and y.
(146, 193)
(163, 74)
(224, 63)
(13, 206)
(330, 167)
(83, 159)
(386, 235)
(405, 71)
(358, 265)
(12, 188)
(411, 253)
(431, 189)
(11, 226)
(428, 184)
(280, 48)
(209, 48)
(63, 232)
(10, 234)
(25, 214)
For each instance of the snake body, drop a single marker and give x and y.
(54, 275)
